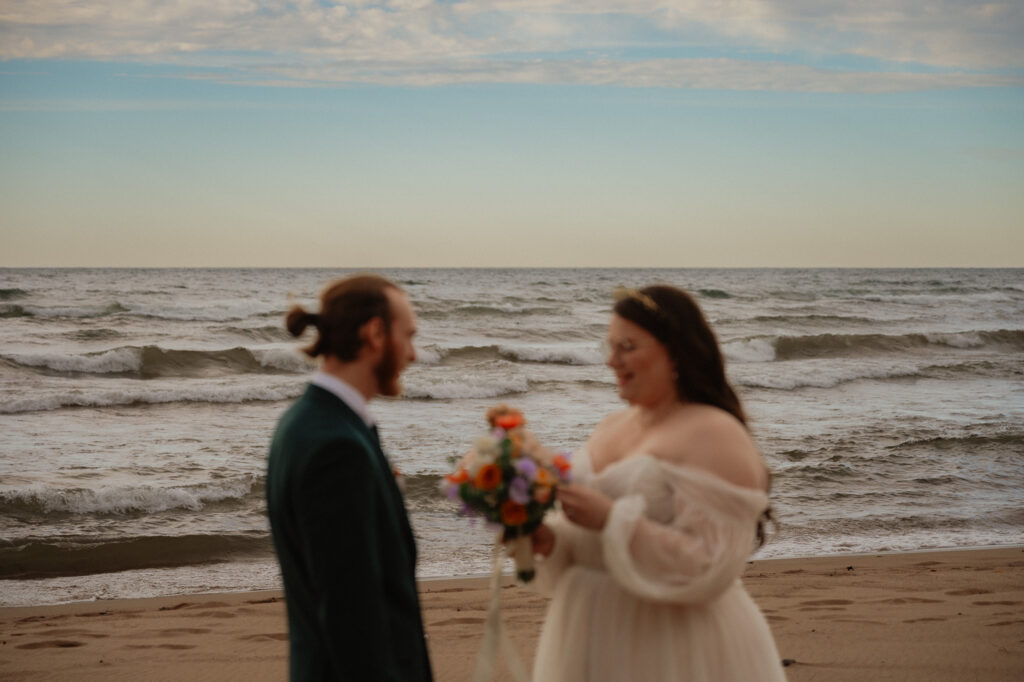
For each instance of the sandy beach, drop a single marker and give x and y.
(947, 615)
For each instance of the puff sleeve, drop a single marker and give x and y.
(696, 545)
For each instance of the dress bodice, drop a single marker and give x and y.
(674, 533)
(668, 489)
(637, 475)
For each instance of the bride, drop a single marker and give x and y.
(643, 562)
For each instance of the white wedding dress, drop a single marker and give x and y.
(656, 594)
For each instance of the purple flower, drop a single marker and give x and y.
(519, 490)
(527, 468)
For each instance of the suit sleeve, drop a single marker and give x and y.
(337, 502)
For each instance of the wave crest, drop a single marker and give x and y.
(768, 349)
(122, 500)
(467, 387)
(153, 396)
(149, 362)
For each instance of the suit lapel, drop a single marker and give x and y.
(387, 472)
(396, 492)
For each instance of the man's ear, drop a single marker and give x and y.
(372, 333)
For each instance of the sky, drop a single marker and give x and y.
(512, 133)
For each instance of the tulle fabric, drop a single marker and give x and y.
(656, 594)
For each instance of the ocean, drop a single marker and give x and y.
(136, 407)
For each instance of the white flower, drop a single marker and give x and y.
(485, 445)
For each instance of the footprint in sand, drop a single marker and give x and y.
(271, 600)
(459, 621)
(73, 632)
(929, 563)
(184, 631)
(175, 647)
(1005, 622)
(968, 592)
(280, 636)
(909, 600)
(827, 602)
(925, 620)
(51, 644)
(216, 614)
(995, 603)
(859, 621)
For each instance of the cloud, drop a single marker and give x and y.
(432, 42)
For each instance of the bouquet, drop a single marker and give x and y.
(508, 478)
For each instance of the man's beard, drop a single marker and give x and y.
(386, 372)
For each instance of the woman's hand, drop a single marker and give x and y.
(584, 506)
(543, 540)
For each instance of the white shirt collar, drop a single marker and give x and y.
(346, 393)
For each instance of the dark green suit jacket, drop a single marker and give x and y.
(346, 550)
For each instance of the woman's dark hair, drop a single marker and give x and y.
(345, 306)
(675, 319)
(677, 322)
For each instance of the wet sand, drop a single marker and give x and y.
(929, 616)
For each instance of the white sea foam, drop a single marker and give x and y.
(957, 340)
(147, 395)
(465, 387)
(106, 362)
(429, 355)
(815, 373)
(559, 354)
(749, 350)
(287, 359)
(125, 499)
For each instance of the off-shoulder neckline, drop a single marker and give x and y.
(684, 469)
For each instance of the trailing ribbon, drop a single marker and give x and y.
(495, 636)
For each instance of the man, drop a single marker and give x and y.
(337, 517)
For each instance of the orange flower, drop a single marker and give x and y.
(488, 478)
(459, 477)
(542, 493)
(509, 421)
(513, 514)
(544, 477)
(562, 464)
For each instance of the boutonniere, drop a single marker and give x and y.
(399, 479)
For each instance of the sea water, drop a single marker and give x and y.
(136, 407)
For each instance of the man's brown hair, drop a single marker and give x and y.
(345, 306)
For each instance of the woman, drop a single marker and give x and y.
(643, 562)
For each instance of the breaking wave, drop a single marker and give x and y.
(143, 395)
(142, 499)
(466, 387)
(153, 361)
(767, 349)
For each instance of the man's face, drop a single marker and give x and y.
(398, 348)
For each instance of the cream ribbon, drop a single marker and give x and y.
(495, 636)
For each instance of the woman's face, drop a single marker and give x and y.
(642, 365)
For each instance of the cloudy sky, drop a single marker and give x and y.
(512, 132)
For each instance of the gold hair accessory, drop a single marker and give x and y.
(623, 293)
